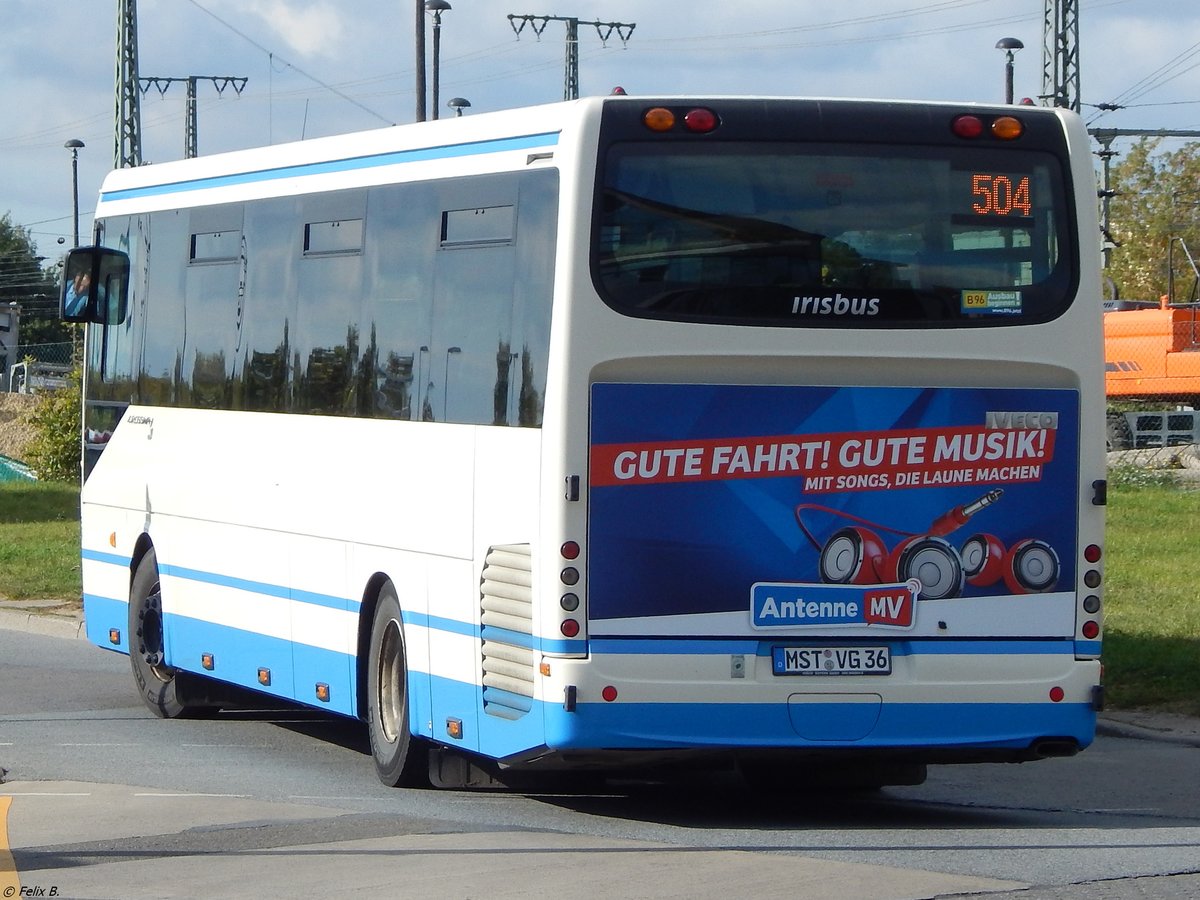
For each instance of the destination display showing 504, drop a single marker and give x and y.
(994, 194)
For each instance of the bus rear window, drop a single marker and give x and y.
(833, 234)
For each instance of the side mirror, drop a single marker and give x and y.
(95, 286)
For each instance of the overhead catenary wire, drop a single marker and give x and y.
(272, 55)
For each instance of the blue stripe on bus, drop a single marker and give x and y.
(728, 725)
(114, 559)
(446, 151)
(100, 615)
(762, 647)
(238, 656)
(258, 587)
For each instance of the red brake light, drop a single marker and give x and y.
(701, 120)
(967, 126)
(1090, 629)
(1092, 553)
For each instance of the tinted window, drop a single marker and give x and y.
(790, 233)
(420, 301)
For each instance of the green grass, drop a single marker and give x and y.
(39, 541)
(1152, 604)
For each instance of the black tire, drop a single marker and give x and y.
(400, 757)
(158, 683)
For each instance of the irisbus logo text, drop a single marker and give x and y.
(789, 605)
(837, 305)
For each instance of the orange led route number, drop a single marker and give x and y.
(1000, 195)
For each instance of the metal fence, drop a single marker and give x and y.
(1152, 378)
(29, 368)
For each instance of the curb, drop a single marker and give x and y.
(50, 626)
(1187, 736)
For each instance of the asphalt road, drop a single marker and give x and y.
(103, 800)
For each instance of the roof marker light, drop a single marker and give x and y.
(658, 119)
(1008, 128)
(701, 120)
(967, 126)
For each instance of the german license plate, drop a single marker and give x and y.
(832, 661)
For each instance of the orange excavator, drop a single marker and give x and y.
(1152, 361)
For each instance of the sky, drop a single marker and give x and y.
(320, 67)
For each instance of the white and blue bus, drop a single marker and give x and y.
(747, 431)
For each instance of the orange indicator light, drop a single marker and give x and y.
(659, 119)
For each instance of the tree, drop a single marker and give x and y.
(1156, 210)
(24, 281)
(56, 420)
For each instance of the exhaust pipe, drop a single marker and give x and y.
(1054, 747)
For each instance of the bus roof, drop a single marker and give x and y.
(486, 142)
(475, 144)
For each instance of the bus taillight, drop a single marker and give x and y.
(659, 119)
(700, 120)
(967, 126)
(1008, 128)
(1004, 128)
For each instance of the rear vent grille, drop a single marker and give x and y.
(506, 627)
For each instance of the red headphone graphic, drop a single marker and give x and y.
(855, 554)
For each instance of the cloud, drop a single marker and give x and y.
(310, 29)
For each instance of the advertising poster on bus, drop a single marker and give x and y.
(766, 509)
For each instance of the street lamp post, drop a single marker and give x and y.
(420, 55)
(74, 145)
(1010, 46)
(437, 7)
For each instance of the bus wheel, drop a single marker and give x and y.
(400, 757)
(157, 682)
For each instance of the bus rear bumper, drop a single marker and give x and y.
(934, 732)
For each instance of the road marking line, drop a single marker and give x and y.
(45, 794)
(9, 881)
(190, 795)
